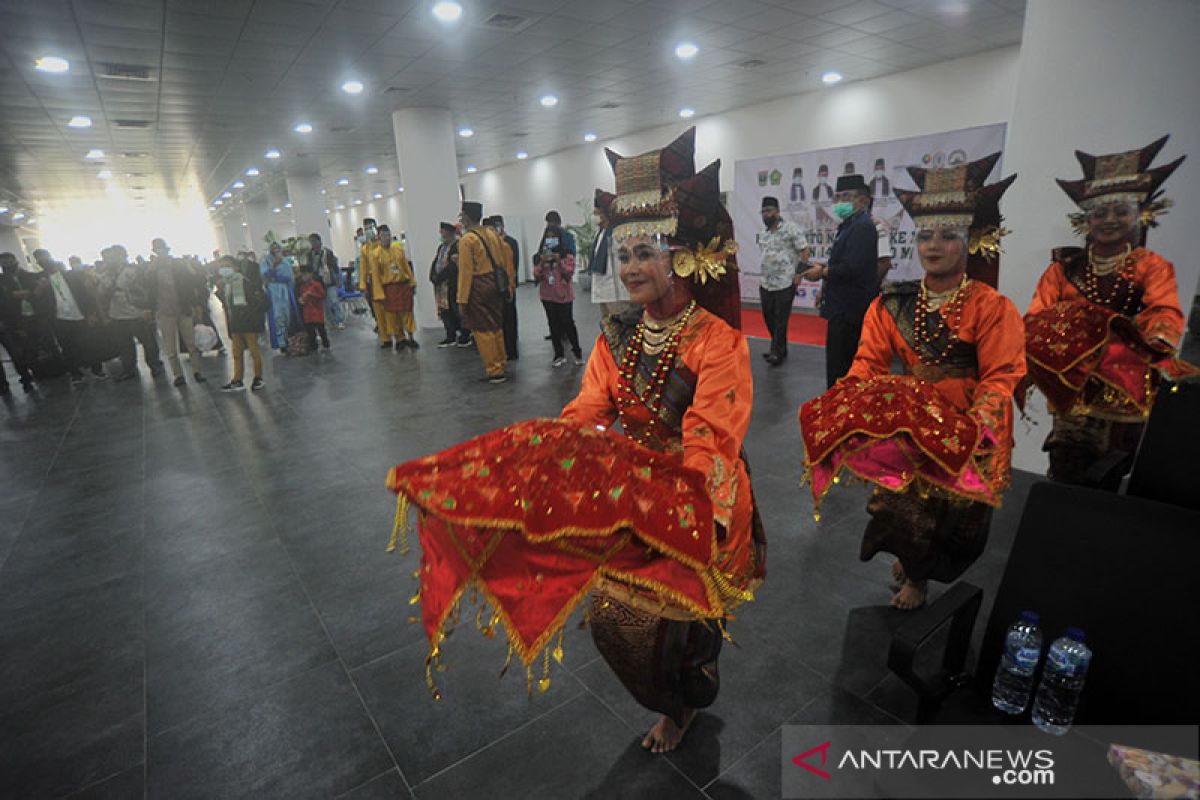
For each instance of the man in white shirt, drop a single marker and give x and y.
(784, 256)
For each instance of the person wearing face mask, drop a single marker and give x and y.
(1105, 323)
(797, 191)
(936, 440)
(240, 290)
(784, 258)
(822, 191)
(851, 276)
(881, 187)
(607, 290)
(283, 317)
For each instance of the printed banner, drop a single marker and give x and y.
(804, 184)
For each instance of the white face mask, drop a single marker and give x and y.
(878, 173)
(796, 181)
(226, 272)
(823, 180)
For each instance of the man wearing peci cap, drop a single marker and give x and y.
(784, 257)
(851, 278)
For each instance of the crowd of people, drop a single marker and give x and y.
(57, 320)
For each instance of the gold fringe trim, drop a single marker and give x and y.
(402, 526)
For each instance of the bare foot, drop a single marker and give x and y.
(666, 735)
(898, 572)
(910, 596)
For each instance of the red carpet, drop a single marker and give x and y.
(802, 328)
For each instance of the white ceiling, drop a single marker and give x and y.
(229, 79)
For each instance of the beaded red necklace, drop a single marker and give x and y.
(1091, 280)
(627, 393)
(947, 321)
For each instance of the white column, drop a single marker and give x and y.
(235, 234)
(258, 222)
(1100, 76)
(10, 242)
(308, 206)
(429, 170)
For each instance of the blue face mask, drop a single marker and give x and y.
(551, 242)
(843, 210)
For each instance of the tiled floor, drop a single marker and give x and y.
(195, 599)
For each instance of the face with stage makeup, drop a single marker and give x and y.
(942, 250)
(644, 266)
(1113, 223)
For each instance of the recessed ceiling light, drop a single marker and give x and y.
(686, 50)
(521, 154)
(353, 87)
(466, 133)
(447, 11)
(549, 101)
(287, 205)
(94, 154)
(687, 113)
(327, 211)
(226, 195)
(377, 196)
(252, 172)
(372, 170)
(274, 210)
(52, 64)
(18, 216)
(472, 168)
(219, 203)
(357, 202)
(589, 137)
(239, 185)
(244, 225)
(79, 121)
(3, 209)
(343, 182)
(272, 153)
(104, 174)
(831, 77)
(303, 127)
(399, 188)
(340, 206)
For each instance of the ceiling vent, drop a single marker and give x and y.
(134, 155)
(131, 123)
(341, 129)
(751, 63)
(509, 23)
(609, 105)
(396, 89)
(126, 72)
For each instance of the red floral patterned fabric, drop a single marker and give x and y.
(532, 516)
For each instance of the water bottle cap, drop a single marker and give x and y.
(1076, 633)
(1030, 616)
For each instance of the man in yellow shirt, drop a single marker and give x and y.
(484, 264)
(392, 285)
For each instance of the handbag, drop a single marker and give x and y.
(501, 274)
(297, 344)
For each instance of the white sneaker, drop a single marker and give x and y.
(559, 361)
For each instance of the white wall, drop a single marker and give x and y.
(1100, 76)
(953, 94)
(342, 224)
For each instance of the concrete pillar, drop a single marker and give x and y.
(235, 234)
(1100, 76)
(308, 206)
(10, 242)
(258, 222)
(429, 169)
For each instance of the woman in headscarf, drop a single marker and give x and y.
(283, 317)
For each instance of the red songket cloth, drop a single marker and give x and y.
(1106, 360)
(533, 516)
(943, 429)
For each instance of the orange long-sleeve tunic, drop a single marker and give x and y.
(1160, 318)
(709, 434)
(991, 324)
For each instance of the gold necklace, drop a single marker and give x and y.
(1104, 266)
(627, 393)
(949, 321)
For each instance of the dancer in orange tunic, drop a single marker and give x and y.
(1105, 321)
(937, 441)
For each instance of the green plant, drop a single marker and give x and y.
(585, 234)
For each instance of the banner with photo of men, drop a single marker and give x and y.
(804, 184)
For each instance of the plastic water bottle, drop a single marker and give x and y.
(1062, 682)
(1014, 675)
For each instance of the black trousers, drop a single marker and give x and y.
(841, 343)
(510, 328)
(314, 329)
(18, 350)
(777, 311)
(72, 338)
(145, 332)
(562, 326)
